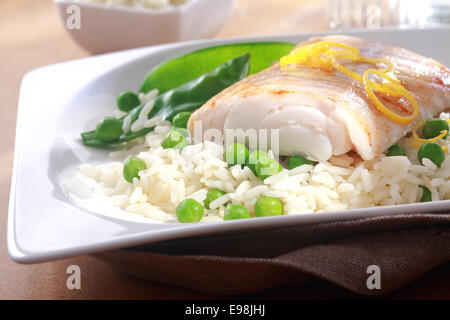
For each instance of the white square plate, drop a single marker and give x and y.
(57, 102)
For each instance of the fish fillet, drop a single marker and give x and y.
(323, 113)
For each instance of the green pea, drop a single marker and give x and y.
(426, 195)
(432, 151)
(297, 161)
(127, 101)
(236, 211)
(236, 153)
(396, 150)
(109, 129)
(266, 167)
(132, 167)
(189, 210)
(181, 120)
(433, 127)
(176, 138)
(253, 159)
(212, 195)
(268, 206)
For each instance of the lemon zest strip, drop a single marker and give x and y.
(442, 134)
(422, 141)
(385, 111)
(386, 88)
(411, 141)
(419, 145)
(310, 52)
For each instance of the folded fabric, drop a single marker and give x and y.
(369, 256)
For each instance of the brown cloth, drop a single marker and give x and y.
(404, 247)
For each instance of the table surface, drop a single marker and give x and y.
(31, 35)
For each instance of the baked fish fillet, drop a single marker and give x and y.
(324, 113)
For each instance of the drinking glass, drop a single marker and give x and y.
(375, 14)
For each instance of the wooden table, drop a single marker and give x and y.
(31, 36)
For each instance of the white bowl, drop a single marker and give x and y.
(110, 28)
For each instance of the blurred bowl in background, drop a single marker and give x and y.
(104, 28)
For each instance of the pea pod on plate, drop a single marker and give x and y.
(190, 66)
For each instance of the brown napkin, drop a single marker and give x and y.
(404, 247)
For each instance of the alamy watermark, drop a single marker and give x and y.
(73, 21)
(374, 280)
(74, 280)
(267, 140)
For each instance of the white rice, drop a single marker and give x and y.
(149, 96)
(126, 124)
(146, 109)
(335, 185)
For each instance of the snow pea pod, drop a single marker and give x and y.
(185, 98)
(175, 72)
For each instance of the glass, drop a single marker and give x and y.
(375, 14)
